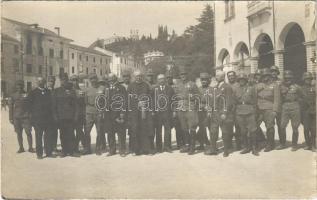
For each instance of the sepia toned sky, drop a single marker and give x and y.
(84, 22)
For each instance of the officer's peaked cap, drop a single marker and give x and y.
(204, 75)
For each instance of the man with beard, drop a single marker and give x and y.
(268, 94)
(79, 123)
(291, 95)
(233, 83)
(41, 117)
(116, 109)
(65, 113)
(309, 111)
(139, 114)
(19, 115)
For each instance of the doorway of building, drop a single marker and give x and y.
(295, 52)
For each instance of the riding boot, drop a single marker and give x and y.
(247, 148)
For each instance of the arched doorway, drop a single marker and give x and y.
(264, 47)
(241, 55)
(294, 50)
(224, 58)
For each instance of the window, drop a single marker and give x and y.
(229, 10)
(28, 86)
(100, 60)
(121, 60)
(51, 70)
(40, 51)
(61, 54)
(94, 70)
(28, 44)
(87, 58)
(40, 69)
(106, 61)
(51, 53)
(61, 70)
(73, 56)
(16, 49)
(80, 57)
(86, 70)
(28, 68)
(100, 72)
(15, 64)
(94, 59)
(73, 69)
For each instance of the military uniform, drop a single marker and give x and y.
(187, 112)
(19, 115)
(65, 113)
(53, 130)
(222, 115)
(246, 100)
(116, 114)
(291, 95)
(237, 134)
(268, 95)
(202, 113)
(309, 112)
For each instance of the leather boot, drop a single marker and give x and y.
(253, 143)
(247, 148)
(191, 143)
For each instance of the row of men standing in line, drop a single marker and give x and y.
(142, 129)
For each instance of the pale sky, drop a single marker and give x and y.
(84, 22)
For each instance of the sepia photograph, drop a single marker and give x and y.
(158, 99)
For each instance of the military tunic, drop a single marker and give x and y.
(309, 114)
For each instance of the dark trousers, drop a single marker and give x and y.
(118, 129)
(79, 136)
(91, 120)
(67, 135)
(19, 125)
(53, 131)
(309, 121)
(140, 137)
(202, 133)
(163, 120)
(40, 131)
(180, 141)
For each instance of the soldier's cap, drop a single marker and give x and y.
(74, 77)
(308, 75)
(19, 82)
(275, 68)
(204, 75)
(51, 79)
(288, 74)
(150, 72)
(231, 73)
(92, 76)
(112, 76)
(63, 76)
(242, 76)
(102, 79)
(160, 76)
(266, 72)
(137, 73)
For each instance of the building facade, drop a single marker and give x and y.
(83, 60)
(152, 55)
(258, 34)
(42, 52)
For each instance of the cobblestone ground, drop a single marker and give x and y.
(278, 174)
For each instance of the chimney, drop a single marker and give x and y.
(58, 30)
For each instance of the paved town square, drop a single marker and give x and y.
(278, 174)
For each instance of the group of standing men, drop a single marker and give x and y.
(142, 107)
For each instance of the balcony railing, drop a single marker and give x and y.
(257, 7)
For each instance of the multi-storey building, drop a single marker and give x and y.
(83, 60)
(43, 52)
(258, 34)
(121, 61)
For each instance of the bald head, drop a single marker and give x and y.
(220, 76)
